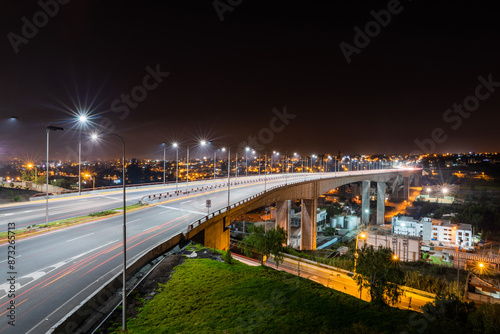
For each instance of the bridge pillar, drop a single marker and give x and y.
(406, 188)
(308, 226)
(365, 203)
(381, 186)
(417, 179)
(283, 213)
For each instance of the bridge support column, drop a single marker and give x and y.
(417, 180)
(308, 224)
(365, 203)
(283, 213)
(406, 188)
(381, 186)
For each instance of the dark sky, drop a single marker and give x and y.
(226, 77)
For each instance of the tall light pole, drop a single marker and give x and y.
(246, 159)
(124, 276)
(83, 120)
(49, 128)
(228, 177)
(202, 143)
(265, 172)
(164, 160)
(176, 146)
(361, 235)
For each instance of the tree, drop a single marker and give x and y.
(335, 209)
(377, 271)
(266, 243)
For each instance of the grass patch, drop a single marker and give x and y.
(206, 296)
(439, 261)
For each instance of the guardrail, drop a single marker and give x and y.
(232, 206)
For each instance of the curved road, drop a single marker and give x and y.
(55, 271)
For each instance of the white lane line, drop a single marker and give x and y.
(186, 201)
(6, 260)
(83, 236)
(8, 214)
(172, 208)
(38, 274)
(149, 228)
(164, 212)
(133, 221)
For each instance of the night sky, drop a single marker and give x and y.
(225, 77)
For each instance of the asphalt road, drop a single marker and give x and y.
(56, 271)
(335, 280)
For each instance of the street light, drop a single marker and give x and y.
(124, 276)
(49, 128)
(361, 235)
(176, 146)
(202, 143)
(246, 159)
(82, 119)
(164, 148)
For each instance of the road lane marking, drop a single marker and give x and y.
(83, 236)
(164, 212)
(186, 201)
(191, 211)
(149, 228)
(6, 260)
(47, 270)
(133, 221)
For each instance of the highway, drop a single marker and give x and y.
(55, 271)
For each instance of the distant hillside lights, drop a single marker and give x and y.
(29, 30)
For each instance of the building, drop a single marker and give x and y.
(345, 224)
(406, 248)
(320, 217)
(442, 232)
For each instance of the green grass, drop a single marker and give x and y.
(438, 260)
(206, 296)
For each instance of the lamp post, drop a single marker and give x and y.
(228, 176)
(124, 276)
(176, 146)
(49, 128)
(83, 120)
(246, 160)
(164, 148)
(361, 235)
(265, 172)
(202, 143)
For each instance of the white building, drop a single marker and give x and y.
(434, 230)
(320, 217)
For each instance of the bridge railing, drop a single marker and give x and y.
(234, 205)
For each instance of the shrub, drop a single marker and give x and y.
(228, 258)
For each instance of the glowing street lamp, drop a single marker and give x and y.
(176, 146)
(202, 143)
(247, 149)
(95, 136)
(361, 235)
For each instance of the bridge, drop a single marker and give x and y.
(58, 270)
(212, 229)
